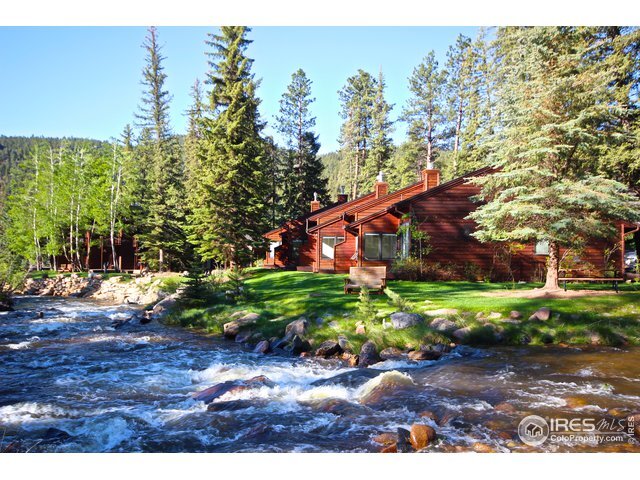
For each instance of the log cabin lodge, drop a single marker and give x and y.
(365, 232)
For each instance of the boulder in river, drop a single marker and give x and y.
(391, 353)
(424, 354)
(404, 440)
(351, 379)
(421, 435)
(368, 354)
(328, 349)
(401, 320)
(298, 345)
(383, 386)
(210, 394)
(387, 438)
(244, 336)
(231, 405)
(262, 347)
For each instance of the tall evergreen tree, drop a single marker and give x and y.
(357, 98)
(555, 102)
(381, 143)
(424, 111)
(162, 237)
(232, 212)
(302, 169)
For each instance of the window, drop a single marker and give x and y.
(542, 247)
(328, 247)
(380, 246)
(405, 241)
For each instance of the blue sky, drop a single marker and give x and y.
(84, 81)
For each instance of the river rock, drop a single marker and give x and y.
(328, 349)
(461, 334)
(210, 394)
(386, 438)
(515, 315)
(361, 330)
(298, 345)
(161, 308)
(404, 440)
(336, 406)
(230, 406)
(480, 447)
(383, 386)
(351, 358)
(391, 353)
(421, 435)
(343, 342)
(393, 448)
(494, 316)
(351, 379)
(424, 354)
(297, 327)
(401, 320)
(368, 354)
(262, 347)
(243, 337)
(542, 314)
(231, 329)
(505, 407)
(442, 324)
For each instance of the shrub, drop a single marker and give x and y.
(236, 289)
(399, 303)
(366, 309)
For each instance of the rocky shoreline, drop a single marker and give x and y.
(143, 290)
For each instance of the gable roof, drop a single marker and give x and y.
(426, 194)
(340, 206)
(302, 218)
(384, 198)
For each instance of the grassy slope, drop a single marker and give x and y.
(284, 296)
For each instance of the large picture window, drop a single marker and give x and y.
(328, 247)
(380, 246)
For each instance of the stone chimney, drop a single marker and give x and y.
(381, 187)
(315, 203)
(430, 177)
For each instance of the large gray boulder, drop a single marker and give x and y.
(297, 327)
(232, 329)
(442, 324)
(542, 314)
(401, 320)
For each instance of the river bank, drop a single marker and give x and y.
(72, 382)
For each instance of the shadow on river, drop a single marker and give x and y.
(70, 382)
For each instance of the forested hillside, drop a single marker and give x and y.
(556, 108)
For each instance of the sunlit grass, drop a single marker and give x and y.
(282, 296)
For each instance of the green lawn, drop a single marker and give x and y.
(280, 297)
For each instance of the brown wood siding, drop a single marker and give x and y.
(443, 218)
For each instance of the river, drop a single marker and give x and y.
(71, 382)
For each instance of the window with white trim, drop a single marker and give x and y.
(328, 247)
(380, 246)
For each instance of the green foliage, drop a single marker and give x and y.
(366, 309)
(229, 203)
(235, 288)
(399, 304)
(161, 236)
(300, 171)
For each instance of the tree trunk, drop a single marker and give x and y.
(553, 264)
(636, 239)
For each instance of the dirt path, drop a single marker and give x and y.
(540, 293)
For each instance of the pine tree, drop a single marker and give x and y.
(424, 111)
(162, 238)
(301, 168)
(193, 138)
(554, 101)
(232, 211)
(381, 143)
(357, 98)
